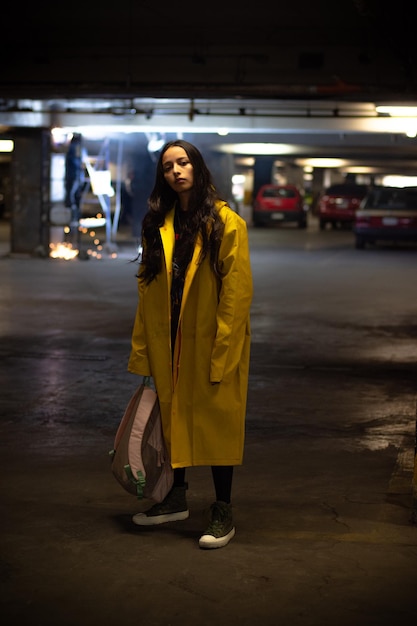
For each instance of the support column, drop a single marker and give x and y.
(263, 169)
(30, 183)
(221, 167)
(142, 184)
(317, 187)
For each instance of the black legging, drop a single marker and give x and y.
(222, 479)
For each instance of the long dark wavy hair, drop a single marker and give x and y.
(201, 217)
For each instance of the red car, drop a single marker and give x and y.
(387, 214)
(339, 203)
(278, 204)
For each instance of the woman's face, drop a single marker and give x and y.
(177, 168)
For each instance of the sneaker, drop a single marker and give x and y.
(172, 509)
(220, 530)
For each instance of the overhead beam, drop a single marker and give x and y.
(203, 123)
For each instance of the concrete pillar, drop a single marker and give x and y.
(263, 171)
(30, 188)
(317, 185)
(221, 167)
(144, 169)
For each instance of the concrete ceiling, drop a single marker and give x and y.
(360, 49)
(307, 73)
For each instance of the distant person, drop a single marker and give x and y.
(192, 331)
(127, 192)
(74, 176)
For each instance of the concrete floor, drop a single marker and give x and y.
(323, 503)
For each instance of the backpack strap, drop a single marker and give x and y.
(139, 482)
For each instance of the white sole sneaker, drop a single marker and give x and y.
(141, 519)
(209, 542)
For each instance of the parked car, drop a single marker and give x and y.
(387, 214)
(339, 203)
(279, 204)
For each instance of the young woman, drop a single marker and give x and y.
(192, 331)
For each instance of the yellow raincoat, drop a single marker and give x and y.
(203, 423)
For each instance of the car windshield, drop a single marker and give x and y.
(278, 192)
(394, 199)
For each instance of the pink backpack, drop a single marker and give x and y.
(140, 459)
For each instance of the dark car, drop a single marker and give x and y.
(387, 214)
(279, 204)
(339, 203)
